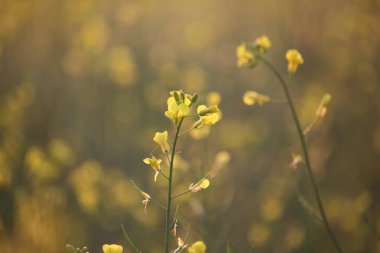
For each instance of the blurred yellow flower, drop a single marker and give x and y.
(263, 42)
(200, 185)
(162, 140)
(155, 164)
(294, 58)
(197, 247)
(252, 98)
(243, 55)
(178, 105)
(207, 116)
(214, 98)
(113, 248)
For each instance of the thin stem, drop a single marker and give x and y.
(152, 199)
(168, 208)
(129, 239)
(181, 194)
(185, 132)
(162, 174)
(306, 155)
(167, 156)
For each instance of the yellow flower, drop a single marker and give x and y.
(214, 98)
(113, 248)
(178, 105)
(197, 247)
(294, 58)
(162, 140)
(207, 116)
(200, 185)
(252, 98)
(264, 43)
(155, 164)
(243, 55)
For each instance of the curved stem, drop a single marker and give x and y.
(168, 208)
(306, 155)
(129, 239)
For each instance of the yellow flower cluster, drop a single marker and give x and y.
(178, 105)
(249, 55)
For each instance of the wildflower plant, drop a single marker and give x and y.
(179, 108)
(253, 54)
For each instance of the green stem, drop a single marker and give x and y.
(168, 208)
(188, 130)
(129, 239)
(181, 194)
(306, 155)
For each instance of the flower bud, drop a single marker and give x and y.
(211, 109)
(194, 98)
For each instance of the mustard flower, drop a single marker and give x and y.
(263, 43)
(178, 105)
(207, 116)
(155, 164)
(197, 247)
(294, 58)
(162, 140)
(200, 185)
(113, 248)
(252, 98)
(244, 56)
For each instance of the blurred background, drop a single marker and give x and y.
(83, 89)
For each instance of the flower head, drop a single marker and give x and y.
(178, 105)
(244, 56)
(252, 98)
(155, 164)
(263, 43)
(162, 140)
(197, 247)
(294, 58)
(207, 116)
(200, 185)
(113, 248)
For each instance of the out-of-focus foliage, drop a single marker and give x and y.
(84, 82)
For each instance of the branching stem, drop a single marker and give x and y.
(306, 155)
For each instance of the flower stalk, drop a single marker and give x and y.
(306, 155)
(169, 202)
